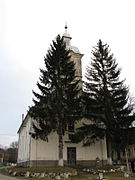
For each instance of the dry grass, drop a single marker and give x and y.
(44, 169)
(80, 176)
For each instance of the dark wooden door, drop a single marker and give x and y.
(71, 155)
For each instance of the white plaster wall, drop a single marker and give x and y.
(95, 150)
(42, 150)
(24, 142)
(31, 149)
(87, 153)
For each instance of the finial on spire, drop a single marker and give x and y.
(66, 36)
(66, 27)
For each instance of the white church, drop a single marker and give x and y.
(35, 153)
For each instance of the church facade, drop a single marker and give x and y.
(33, 153)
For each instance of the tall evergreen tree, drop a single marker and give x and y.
(58, 103)
(106, 103)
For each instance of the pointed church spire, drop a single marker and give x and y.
(66, 36)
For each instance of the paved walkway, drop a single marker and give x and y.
(3, 177)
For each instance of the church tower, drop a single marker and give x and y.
(76, 56)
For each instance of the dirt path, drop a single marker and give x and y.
(3, 177)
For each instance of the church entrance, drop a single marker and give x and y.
(71, 155)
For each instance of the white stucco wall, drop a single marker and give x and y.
(31, 149)
(24, 141)
(42, 150)
(87, 153)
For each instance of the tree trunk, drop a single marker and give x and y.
(60, 162)
(128, 170)
(109, 152)
(118, 157)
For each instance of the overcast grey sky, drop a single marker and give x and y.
(27, 28)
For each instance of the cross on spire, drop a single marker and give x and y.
(66, 27)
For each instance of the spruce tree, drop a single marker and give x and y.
(58, 103)
(106, 103)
